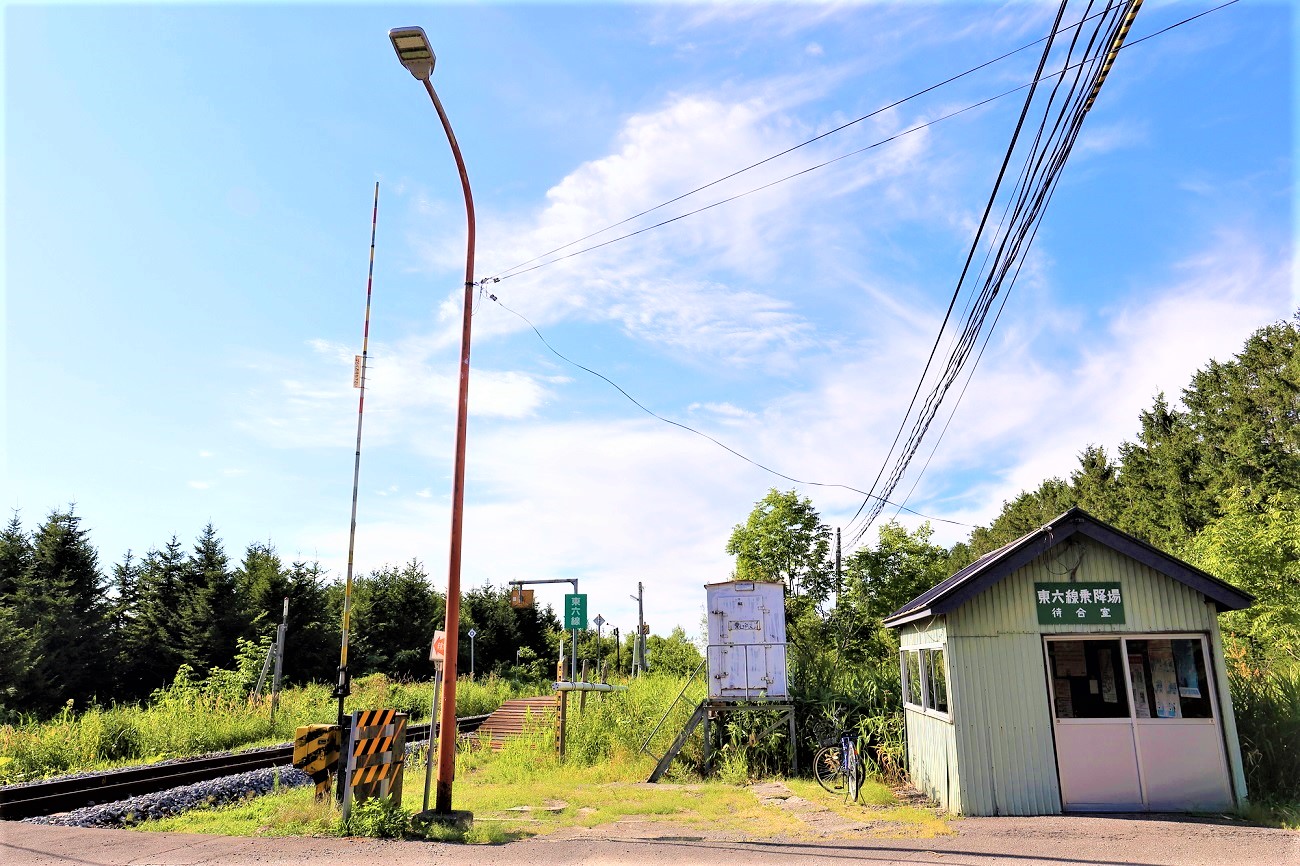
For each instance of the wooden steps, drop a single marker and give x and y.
(509, 719)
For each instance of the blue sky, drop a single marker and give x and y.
(187, 218)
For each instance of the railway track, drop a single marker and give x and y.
(61, 795)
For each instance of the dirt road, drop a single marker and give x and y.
(1056, 841)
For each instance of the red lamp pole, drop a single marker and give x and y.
(413, 50)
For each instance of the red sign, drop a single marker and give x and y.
(438, 651)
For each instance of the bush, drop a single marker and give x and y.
(1267, 707)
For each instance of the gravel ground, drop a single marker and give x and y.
(164, 804)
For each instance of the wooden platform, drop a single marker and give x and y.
(508, 721)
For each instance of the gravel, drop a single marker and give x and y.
(175, 801)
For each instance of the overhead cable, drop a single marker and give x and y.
(690, 429)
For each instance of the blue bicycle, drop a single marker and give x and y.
(836, 766)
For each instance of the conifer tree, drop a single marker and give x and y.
(15, 558)
(154, 640)
(210, 621)
(61, 604)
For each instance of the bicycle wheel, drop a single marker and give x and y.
(828, 771)
(854, 774)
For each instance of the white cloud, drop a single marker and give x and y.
(200, 485)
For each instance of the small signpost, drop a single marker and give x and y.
(471, 634)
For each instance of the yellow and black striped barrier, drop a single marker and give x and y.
(376, 756)
(316, 753)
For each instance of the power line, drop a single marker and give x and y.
(1015, 242)
(519, 270)
(690, 429)
(500, 275)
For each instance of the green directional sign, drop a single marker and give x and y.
(575, 610)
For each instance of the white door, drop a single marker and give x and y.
(1096, 753)
(742, 663)
(1180, 745)
(1135, 724)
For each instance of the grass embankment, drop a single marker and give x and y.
(193, 718)
(525, 790)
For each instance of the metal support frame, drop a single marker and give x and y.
(574, 581)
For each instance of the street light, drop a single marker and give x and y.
(416, 54)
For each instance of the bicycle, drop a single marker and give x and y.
(837, 768)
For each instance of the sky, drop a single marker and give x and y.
(188, 193)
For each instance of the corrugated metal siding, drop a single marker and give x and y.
(932, 758)
(1003, 727)
(925, 633)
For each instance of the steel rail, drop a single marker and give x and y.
(51, 796)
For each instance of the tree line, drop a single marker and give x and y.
(1214, 480)
(71, 633)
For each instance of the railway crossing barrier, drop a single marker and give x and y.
(316, 753)
(376, 757)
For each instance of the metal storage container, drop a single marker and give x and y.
(747, 641)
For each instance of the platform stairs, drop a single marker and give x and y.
(512, 718)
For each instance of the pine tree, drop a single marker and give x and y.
(210, 621)
(61, 604)
(15, 557)
(154, 640)
(16, 647)
(395, 613)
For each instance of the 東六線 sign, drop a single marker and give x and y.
(575, 610)
(1079, 603)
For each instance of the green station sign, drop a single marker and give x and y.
(575, 610)
(1079, 603)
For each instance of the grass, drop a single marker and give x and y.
(524, 791)
(193, 718)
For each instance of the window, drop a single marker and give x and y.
(937, 678)
(913, 693)
(925, 679)
(1087, 679)
(1169, 679)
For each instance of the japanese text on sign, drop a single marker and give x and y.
(575, 610)
(1079, 603)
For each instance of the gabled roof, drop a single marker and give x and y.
(992, 567)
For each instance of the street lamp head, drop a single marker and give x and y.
(413, 50)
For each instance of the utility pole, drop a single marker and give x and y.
(279, 660)
(638, 651)
(618, 655)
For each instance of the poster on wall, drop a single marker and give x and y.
(1064, 698)
(1109, 693)
(1068, 658)
(1164, 680)
(1138, 674)
(1189, 680)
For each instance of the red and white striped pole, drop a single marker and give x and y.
(358, 381)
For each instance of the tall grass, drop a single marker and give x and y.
(1267, 707)
(192, 717)
(614, 726)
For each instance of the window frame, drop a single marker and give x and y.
(923, 703)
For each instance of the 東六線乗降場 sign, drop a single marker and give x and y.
(1079, 603)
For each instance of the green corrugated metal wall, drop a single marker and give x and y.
(1001, 731)
(931, 742)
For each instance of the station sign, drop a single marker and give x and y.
(575, 610)
(1079, 603)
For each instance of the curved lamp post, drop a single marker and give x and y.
(415, 53)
